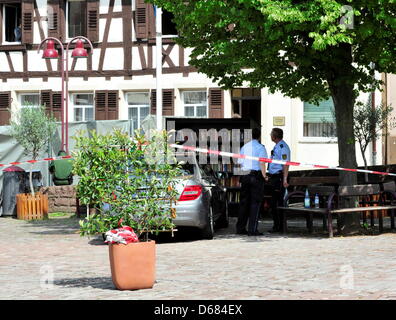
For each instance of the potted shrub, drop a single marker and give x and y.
(135, 178)
(32, 128)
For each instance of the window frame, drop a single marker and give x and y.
(83, 107)
(3, 26)
(195, 105)
(21, 94)
(67, 36)
(137, 106)
(315, 139)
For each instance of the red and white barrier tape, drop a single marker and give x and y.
(17, 163)
(231, 155)
(267, 160)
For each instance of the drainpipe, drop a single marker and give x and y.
(385, 103)
(374, 142)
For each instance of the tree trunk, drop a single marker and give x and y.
(31, 181)
(366, 179)
(344, 100)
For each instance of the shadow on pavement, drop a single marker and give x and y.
(95, 282)
(54, 226)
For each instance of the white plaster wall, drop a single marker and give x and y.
(104, 6)
(4, 63)
(136, 63)
(35, 61)
(17, 61)
(114, 59)
(102, 25)
(115, 31)
(117, 5)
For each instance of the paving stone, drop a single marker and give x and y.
(49, 260)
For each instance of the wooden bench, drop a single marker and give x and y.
(330, 201)
(309, 181)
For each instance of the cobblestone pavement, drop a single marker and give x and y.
(292, 266)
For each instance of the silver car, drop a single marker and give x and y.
(202, 200)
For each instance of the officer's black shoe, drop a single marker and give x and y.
(241, 232)
(250, 234)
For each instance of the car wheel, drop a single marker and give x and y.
(208, 231)
(224, 220)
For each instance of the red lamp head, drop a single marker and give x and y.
(79, 51)
(50, 52)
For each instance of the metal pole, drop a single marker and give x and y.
(67, 85)
(63, 83)
(158, 43)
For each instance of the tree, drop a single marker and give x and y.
(368, 125)
(32, 128)
(136, 178)
(307, 49)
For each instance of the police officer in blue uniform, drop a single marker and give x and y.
(277, 174)
(252, 185)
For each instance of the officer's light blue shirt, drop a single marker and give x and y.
(253, 149)
(281, 151)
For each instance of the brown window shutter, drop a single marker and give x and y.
(153, 99)
(112, 105)
(52, 101)
(100, 104)
(106, 105)
(5, 104)
(46, 100)
(168, 102)
(57, 105)
(142, 19)
(151, 22)
(93, 20)
(27, 21)
(53, 14)
(168, 105)
(216, 103)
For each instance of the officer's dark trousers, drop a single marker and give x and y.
(277, 192)
(252, 192)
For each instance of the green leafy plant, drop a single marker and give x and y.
(369, 122)
(32, 128)
(135, 177)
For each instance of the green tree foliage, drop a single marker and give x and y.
(136, 177)
(310, 49)
(32, 128)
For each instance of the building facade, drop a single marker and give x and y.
(117, 80)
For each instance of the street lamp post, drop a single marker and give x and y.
(51, 53)
(158, 44)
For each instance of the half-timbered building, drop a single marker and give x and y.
(117, 80)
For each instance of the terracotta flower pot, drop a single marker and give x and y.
(133, 265)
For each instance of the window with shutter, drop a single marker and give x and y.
(5, 104)
(168, 98)
(216, 103)
(168, 102)
(52, 101)
(141, 19)
(27, 21)
(93, 20)
(53, 18)
(153, 99)
(112, 105)
(106, 105)
(100, 105)
(319, 121)
(11, 22)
